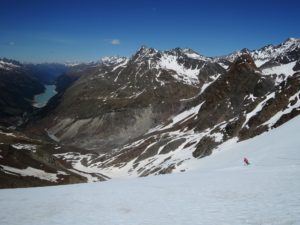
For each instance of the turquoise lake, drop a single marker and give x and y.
(42, 99)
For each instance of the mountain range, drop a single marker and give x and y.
(156, 112)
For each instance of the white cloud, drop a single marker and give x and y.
(115, 42)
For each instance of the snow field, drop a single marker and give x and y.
(219, 190)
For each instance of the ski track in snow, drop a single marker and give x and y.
(218, 190)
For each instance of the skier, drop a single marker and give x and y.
(246, 161)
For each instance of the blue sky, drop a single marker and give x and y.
(56, 31)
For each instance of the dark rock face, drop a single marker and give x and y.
(297, 66)
(204, 147)
(284, 96)
(172, 145)
(225, 98)
(243, 64)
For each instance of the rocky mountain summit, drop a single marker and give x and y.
(159, 111)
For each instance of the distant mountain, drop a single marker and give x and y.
(270, 56)
(47, 73)
(155, 111)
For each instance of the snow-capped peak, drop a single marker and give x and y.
(8, 64)
(144, 53)
(293, 40)
(274, 51)
(195, 55)
(112, 60)
(189, 53)
(145, 49)
(268, 52)
(72, 63)
(290, 43)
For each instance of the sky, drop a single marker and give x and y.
(83, 31)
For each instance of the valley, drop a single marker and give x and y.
(156, 112)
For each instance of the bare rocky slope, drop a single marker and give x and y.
(17, 88)
(154, 112)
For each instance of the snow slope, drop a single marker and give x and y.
(7, 65)
(220, 190)
(29, 171)
(187, 75)
(284, 69)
